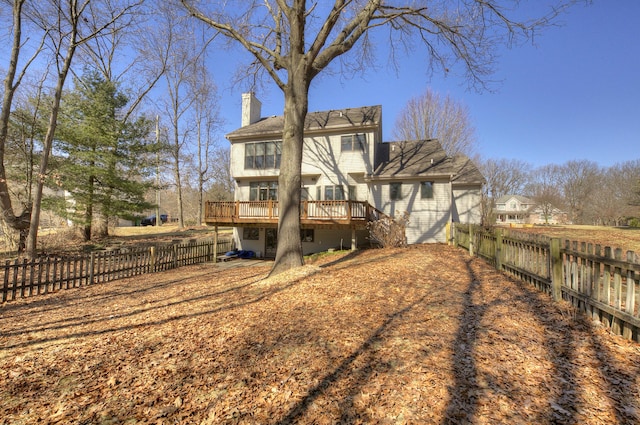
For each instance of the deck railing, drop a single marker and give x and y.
(234, 211)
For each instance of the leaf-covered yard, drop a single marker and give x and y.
(420, 335)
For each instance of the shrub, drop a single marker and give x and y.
(389, 232)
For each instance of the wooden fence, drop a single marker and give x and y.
(25, 278)
(601, 281)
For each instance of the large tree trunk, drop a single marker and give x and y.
(296, 101)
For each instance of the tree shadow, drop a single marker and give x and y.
(244, 297)
(347, 367)
(463, 403)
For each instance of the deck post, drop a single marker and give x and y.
(354, 241)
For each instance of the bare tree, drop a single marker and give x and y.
(543, 188)
(614, 198)
(67, 27)
(207, 121)
(293, 42)
(184, 46)
(578, 181)
(505, 177)
(431, 116)
(17, 220)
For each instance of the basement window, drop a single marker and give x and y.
(306, 235)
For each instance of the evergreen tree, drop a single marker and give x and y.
(104, 168)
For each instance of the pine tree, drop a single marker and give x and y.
(104, 167)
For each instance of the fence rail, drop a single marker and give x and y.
(25, 278)
(601, 281)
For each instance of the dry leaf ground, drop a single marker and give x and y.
(424, 335)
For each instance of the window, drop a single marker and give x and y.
(263, 191)
(262, 155)
(426, 190)
(306, 235)
(395, 191)
(354, 143)
(250, 233)
(334, 193)
(352, 193)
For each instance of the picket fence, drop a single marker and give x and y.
(50, 273)
(601, 281)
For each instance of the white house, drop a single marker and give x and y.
(349, 177)
(516, 209)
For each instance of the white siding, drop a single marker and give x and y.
(428, 217)
(467, 205)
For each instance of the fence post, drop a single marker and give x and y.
(471, 240)
(498, 249)
(152, 259)
(215, 247)
(556, 270)
(92, 262)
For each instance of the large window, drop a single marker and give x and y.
(262, 155)
(354, 142)
(395, 191)
(263, 191)
(426, 190)
(334, 193)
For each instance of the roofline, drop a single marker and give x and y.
(264, 135)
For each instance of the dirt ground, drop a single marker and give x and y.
(424, 335)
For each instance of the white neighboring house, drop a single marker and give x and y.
(349, 177)
(516, 209)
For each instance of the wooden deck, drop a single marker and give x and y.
(354, 214)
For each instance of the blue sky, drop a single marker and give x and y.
(575, 94)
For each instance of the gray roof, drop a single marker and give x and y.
(323, 120)
(424, 158)
(413, 158)
(466, 172)
(522, 199)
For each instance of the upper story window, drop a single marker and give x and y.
(426, 190)
(354, 143)
(395, 191)
(262, 155)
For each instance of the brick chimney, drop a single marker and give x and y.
(251, 107)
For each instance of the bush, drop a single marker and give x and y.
(389, 232)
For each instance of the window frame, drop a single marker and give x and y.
(307, 235)
(262, 155)
(395, 191)
(263, 191)
(424, 186)
(334, 189)
(250, 234)
(356, 142)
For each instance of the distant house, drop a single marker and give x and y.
(516, 209)
(349, 177)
